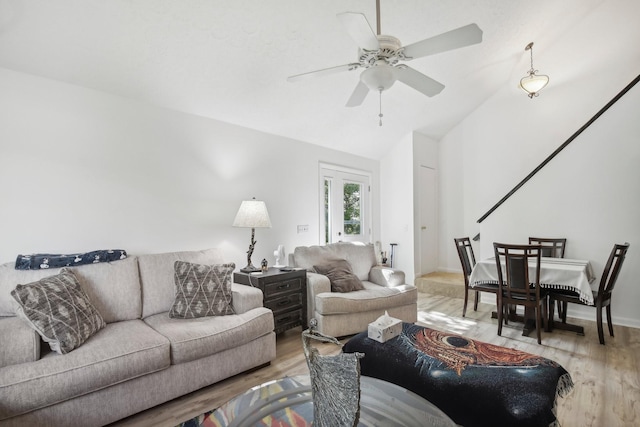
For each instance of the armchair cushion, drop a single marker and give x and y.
(373, 297)
(340, 275)
(361, 256)
(385, 276)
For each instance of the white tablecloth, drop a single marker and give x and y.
(555, 273)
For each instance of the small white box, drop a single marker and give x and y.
(384, 331)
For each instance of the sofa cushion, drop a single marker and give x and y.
(10, 277)
(193, 339)
(20, 342)
(202, 290)
(113, 288)
(340, 275)
(119, 352)
(156, 276)
(373, 297)
(59, 310)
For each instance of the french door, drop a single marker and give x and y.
(345, 207)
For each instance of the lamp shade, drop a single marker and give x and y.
(533, 83)
(252, 214)
(379, 77)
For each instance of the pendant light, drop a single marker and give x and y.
(533, 83)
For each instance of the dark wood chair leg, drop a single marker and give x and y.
(599, 322)
(475, 302)
(466, 299)
(506, 313)
(552, 305)
(538, 326)
(545, 314)
(560, 311)
(500, 317)
(609, 320)
(563, 314)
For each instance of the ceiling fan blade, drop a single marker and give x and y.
(323, 72)
(359, 29)
(418, 81)
(454, 39)
(358, 95)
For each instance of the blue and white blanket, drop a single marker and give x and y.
(41, 261)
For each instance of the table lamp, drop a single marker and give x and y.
(252, 214)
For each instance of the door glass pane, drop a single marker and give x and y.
(352, 205)
(327, 211)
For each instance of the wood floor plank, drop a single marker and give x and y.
(606, 378)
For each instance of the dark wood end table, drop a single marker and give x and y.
(285, 293)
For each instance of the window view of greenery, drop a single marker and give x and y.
(351, 208)
(327, 209)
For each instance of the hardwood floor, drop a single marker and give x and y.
(606, 378)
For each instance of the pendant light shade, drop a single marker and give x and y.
(533, 83)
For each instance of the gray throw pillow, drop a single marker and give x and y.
(202, 290)
(340, 275)
(59, 310)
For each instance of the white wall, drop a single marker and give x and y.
(590, 193)
(396, 208)
(425, 153)
(82, 170)
(399, 210)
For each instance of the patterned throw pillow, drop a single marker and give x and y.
(59, 310)
(202, 290)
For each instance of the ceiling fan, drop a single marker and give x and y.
(381, 57)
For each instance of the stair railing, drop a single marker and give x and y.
(559, 149)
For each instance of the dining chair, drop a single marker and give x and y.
(552, 248)
(518, 287)
(468, 261)
(601, 297)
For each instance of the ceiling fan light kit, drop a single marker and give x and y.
(380, 56)
(533, 83)
(379, 77)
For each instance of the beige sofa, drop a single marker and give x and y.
(140, 359)
(340, 314)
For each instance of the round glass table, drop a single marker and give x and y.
(288, 402)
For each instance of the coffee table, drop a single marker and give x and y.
(287, 402)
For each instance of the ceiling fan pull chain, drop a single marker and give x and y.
(380, 115)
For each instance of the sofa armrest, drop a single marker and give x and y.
(386, 276)
(245, 298)
(20, 342)
(316, 284)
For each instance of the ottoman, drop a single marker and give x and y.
(474, 383)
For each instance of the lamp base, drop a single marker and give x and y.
(250, 269)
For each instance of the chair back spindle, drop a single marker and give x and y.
(468, 262)
(465, 252)
(612, 269)
(551, 248)
(516, 283)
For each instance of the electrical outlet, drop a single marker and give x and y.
(303, 228)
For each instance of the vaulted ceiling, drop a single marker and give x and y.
(229, 60)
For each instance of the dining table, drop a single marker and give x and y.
(555, 273)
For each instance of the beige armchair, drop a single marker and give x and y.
(347, 313)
